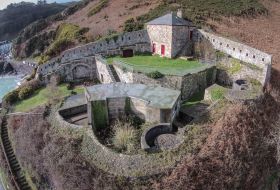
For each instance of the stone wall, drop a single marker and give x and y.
(116, 107)
(180, 40)
(226, 74)
(138, 41)
(188, 84)
(161, 35)
(240, 51)
(103, 71)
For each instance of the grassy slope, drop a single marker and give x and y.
(40, 98)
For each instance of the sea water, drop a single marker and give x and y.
(7, 84)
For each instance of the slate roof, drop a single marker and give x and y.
(170, 19)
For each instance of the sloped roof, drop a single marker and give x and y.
(170, 19)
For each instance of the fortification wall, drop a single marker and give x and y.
(138, 41)
(188, 84)
(240, 51)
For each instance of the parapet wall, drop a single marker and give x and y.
(138, 41)
(241, 52)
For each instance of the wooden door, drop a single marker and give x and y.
(162, 50)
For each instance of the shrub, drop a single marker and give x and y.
(132, 25)
(11, 97)
(25, 92)
(124, 136)
(155, 75)
(97, 8)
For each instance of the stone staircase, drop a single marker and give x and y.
(17, 175)
(114, 73)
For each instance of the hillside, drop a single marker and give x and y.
(106, 17)
(17, 16)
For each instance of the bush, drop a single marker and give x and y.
(25, 92)
(132, 25)
(97, 8)
(11, 97)
(124, 136)
(155, 75)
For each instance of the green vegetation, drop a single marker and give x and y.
(99, 114)
(41, 97)
(195, 99)
(124, 136)
(66, 34)
(233, 67)
(97, 8)
(199, 10)
(155, 75)
(217, 92)
(149, 64)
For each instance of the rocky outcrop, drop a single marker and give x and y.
(6, 68)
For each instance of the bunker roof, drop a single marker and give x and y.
(170, 19)
(155, 96)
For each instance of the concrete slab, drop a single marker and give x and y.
(155, 96)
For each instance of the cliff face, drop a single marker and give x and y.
(6, 68)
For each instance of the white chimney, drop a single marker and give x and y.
(180, 13)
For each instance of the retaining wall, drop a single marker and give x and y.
(240, 51)
(138, 41)
(188, 84)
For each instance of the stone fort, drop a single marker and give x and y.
(153, 100)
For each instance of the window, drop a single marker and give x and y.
(128, 38)
(221, 43)
(262, 59)
(254, 56)
(191, 35)
(233, 49)
(227, 45)
(240, 51)
(247, 54)
(213, 40)
(154, 48)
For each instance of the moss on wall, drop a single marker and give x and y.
(99, 114)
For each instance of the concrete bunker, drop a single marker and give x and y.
(151, 104)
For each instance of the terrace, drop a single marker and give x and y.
(166, 66)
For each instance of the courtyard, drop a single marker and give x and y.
(150, 63)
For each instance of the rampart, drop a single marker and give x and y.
(241, 52)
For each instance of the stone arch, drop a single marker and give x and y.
(81, 71)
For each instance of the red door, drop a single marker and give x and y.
(162, 50)
(154, 48)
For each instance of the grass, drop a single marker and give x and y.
(217, 93)
(195, 99)
(40, 98)
(148, 63)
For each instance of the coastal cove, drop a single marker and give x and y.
(7, 84)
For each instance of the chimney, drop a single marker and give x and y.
(180, 13)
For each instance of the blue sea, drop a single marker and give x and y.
(7, 84)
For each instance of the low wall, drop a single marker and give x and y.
(188, 84)
(65, 113)
(140, 165)
(138, 41)
(58, 120)
(241, 52)
(149, 135)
